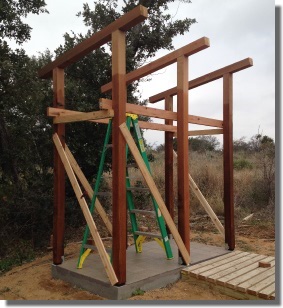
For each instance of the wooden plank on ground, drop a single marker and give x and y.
(256, 281)
(92, 227)
(88, 189)
(153, 189)
(84, 116)
(235, 275)
(189, 269)
(232, 269)
(124, 23)
(162, 62)
(229, 265)
(266, 293)
(248, 275)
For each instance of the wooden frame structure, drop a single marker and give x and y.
(116, 109)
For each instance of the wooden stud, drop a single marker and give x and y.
(230, 69)
(169, 167)
(124, 23)
(228, 160)
(84, 116)
(119, 95)
(204, 203)
(89, 219)
(88, 189)
(155, 193)
(59, 172)
(183, 151)
(162, 62)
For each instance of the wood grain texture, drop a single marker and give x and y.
(212, 76)
(84, 182)
(59, 171)
(84, 207)
(124, 23)
(169, 163)
(119, 204)
(183, 151)
(228, 161)
(162, 62)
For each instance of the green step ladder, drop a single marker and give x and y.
(139, 236)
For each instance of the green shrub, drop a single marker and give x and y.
(240, 164)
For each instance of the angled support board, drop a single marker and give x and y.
(154, 190)
(161, 114)
(204, 203)
(88, 189)
(233, 68)
(92, 227)
(124, 23)
(84, 116)
(162, 62)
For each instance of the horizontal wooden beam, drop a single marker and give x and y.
(54, 112)
(233, 68)
(162, 62)
(124, 23)
(161, 114)
(84, 116)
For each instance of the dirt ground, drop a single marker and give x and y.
(33, 281)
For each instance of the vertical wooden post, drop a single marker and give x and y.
(119, 97)
(228, 160)
(59, 172)
(183, 151)
(169, 177)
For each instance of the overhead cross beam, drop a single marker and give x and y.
(124, 23)
(230, 69)
(162, 62)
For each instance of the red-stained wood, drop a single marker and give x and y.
(124, 23)
(183, 151)
(59, 172)
(119, 95)
(228, 160)
(169, 176)
(162, 62)
(233, 68)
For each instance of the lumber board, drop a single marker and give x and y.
(88, 189)
(248, 275)
(161, 114)
(202, 132)
(235, 275)
(266, 293)
(162, 62)
(84, 116)
(124, 23)
(59, 171)
(217, 269)
(258, 282)
(199, 271)
(154, 190)
(204, 203)
(92, 227)
(119, 201)
(235, 268)
(212, 76)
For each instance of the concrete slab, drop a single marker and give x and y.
(146, 271)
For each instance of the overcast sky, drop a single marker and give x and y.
(236, 29)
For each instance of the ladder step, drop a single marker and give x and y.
(145, 212)
(148, 234)
(138, 188)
